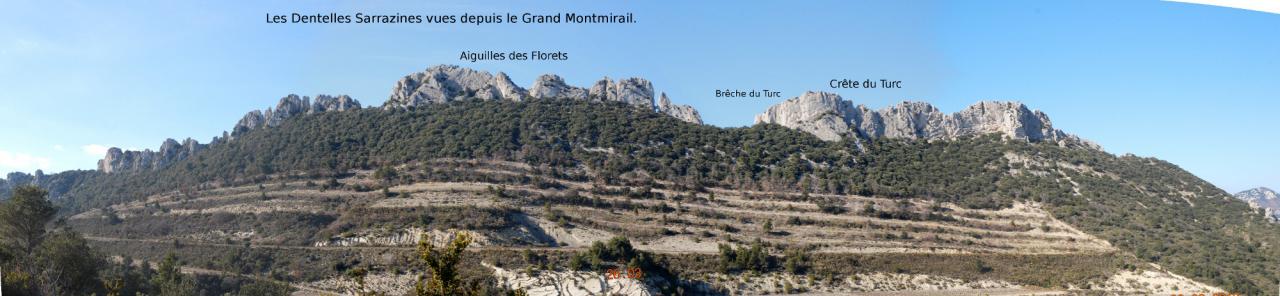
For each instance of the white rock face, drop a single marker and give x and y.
(682, 112)
(1262, 198)
(288, 107)
(634, 91)
(252, 120)
(552, 86)
(602, 90)
(912, 120)
(507, 89)
(556, 283)
(446, 83)
(818, 113)
(831, 118)
(1008, 118)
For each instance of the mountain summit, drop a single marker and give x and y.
(832, 118)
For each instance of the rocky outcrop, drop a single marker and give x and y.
(446, 83)
(831, 118)
(290, 106)
(570, 282)
(20, 178)
(507, 89)
(171, 151)
(602, 90)
(633, 91)
(119, 160)
(325, 103)
(682, 112)
(15, 179)
(822, 114)
(552, 86)
(57, 184)
(1262, 198)
(250, 121)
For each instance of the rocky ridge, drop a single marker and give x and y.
(119, 160)
(57, 183)
(1262, 198)
(831, 118)
(126, 160)
(446, 83)
(290, 106)
(438, 84)
(682, 112)
(825, 115)
(15, 179)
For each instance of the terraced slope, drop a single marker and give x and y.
(560, 215)
(559, 174)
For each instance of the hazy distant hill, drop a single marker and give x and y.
(1263, 198)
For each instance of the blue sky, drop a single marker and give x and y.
(1195, 85)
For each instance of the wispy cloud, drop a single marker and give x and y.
(19, 46)
(11, 161)
(59, 148)
(95, 150)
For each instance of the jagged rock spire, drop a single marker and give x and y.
(446, 83)
(119, 160)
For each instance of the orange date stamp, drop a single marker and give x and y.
(629, 273)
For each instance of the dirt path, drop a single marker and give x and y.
(404, 248)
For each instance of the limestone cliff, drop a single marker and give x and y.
(831, 118)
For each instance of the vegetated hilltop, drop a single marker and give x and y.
(1146, 207)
